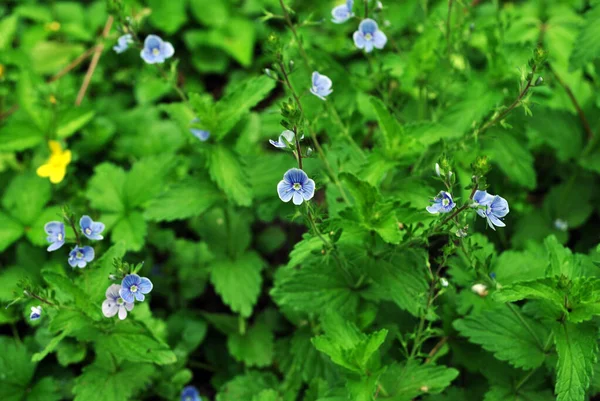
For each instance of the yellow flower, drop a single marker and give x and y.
(56, 166)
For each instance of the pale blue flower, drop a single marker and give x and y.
(286, 137)
(561, 224)
(156, 50)
(491, 207)
(81, 256)
(343, 12)
(297, 186)
(190, 393)
(133, 287)
(199, 133)
(90, 228)
(114, 303)
(442, 203)
(56, 235)
(369, 36)
(36, 313)
(321, 85)
(123, 43)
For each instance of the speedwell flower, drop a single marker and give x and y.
(56, 166)
(134, 287)
(369, 36)
(56, 234)
(286, 137)
(190, 393)
(321, 85)
(81, 256)
(123, 43)
(561, 224)
(199, 133)
(36, 312)
(343, 12)
(114, 304)
(297, 186)
(156, 50)
(491, 207)
(442, 203)
(90, 228)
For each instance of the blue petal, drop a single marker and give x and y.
(126, 294)
(495, 221)
(147, 56)
(145, 285)
(368, 26)
(359, 39)
(314, 92)
(315, 78)
(277, 144)
(308, 189)
(499, 206)
(54, 227)
(285, 190)
(85, 222)
(340, 14)
(295, 176)
(167, 50)
(112, 292)
(88, 253)
(297, 198)
(153, 42)
(435, 208)
(55, 245)
(200, 134)
(129, 280)
(379, 39)
(483, 198)
(139, 296)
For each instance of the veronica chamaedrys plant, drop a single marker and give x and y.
(56, 235)
(190, 393)
(90, 228)
(36, 312)
(296, 186)
(201, 134)
(343, 12)
(491, 207)
(123, 43)
(156, 50)
(114, 304)
(285, 139)
(133, 287)
(442, 203)
(321, 85)
(81, 256)
(369, 36)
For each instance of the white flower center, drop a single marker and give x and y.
(445, 202)
(88, 231)
(297, 186)
(79, 255)
(59, 236)
(120, 301)
(156, 51)
(368, 36)
(133, 288)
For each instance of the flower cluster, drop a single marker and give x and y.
(368, 36)
(120, 298)
(79, 256)
(491, 207)
(154, 51)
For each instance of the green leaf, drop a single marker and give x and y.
(562, 262)
(48, 57)
(390, 127)
(50, 347)
(73, 120)
(16, 367)
(70, 352)
(168, 16)
(238, 282)
(105, 381)
(546, 289)
(8, 29)
(501, 393)
(146, 179)
(512, 157)
(244, 387)
(237, 38)
(188, 198)
(106, 188)
(503, 333)
(407, 382)
(210, 12)
(587, 47)
(266, 395)
(135, 344)
(45, 389)
(29, 134)
(131, 230)
(229, 174)
(254, 347)
(25, 197)
(10, 231)
(577, 347)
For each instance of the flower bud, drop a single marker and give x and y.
(379, 6)
(291, 64)
(444, 282)
(480, 289)
(539, 81)
(438, 171)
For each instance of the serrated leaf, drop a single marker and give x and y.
(389, 126)
(25, 197)
(146, 179)
(106, 188)
(244, 387)
(538, 289)
(254, 347)
(512, 157)
(229, 174)
(10, 231)
(238, 282)
(586, 46)
(407, 382)
(16, 367)
(131, 230)
(503, 333)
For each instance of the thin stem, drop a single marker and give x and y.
(173, 83)
(41, 299)
(524, 380)
(288, 20)
(298, 149)
(366, 8)
(514, 104)
(448, 27)
(436, 349)
(73, 64)
(72, 224)
(460, 209)
(526, 325)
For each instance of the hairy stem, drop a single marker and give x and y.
(289, 22)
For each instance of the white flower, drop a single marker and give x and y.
(114, 304)
(36, 312)
(480, 289)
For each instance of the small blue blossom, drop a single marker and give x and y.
(286, 135)
(81, 256)
(343, 12)
(561, 225)
(134, 287)
(90, 228)
(369, 36)
(123, 43)
(114, 303)
(36, 313)
(190, 393)
(491, 207)
(442, 203)
(56, 234)
(199, 133)
(297, 186)
(156, 50)
(321, 85)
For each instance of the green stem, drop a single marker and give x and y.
(173, 84)
(288, 20)
(526, 325)
(366, 8)
(448, 27)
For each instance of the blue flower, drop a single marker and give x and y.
(343, 12)
(491, 207)
(190, 393)
(199, 133)
(442, 203)
(91, 228)
(296, 185)
(134, 287)
(123, 43)
(369, 36)
(321, 85)
(156, 50)
(286, 135)
(56, 234)
(114, 304)
(81, 256)
(561, 224)
(36, 313)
